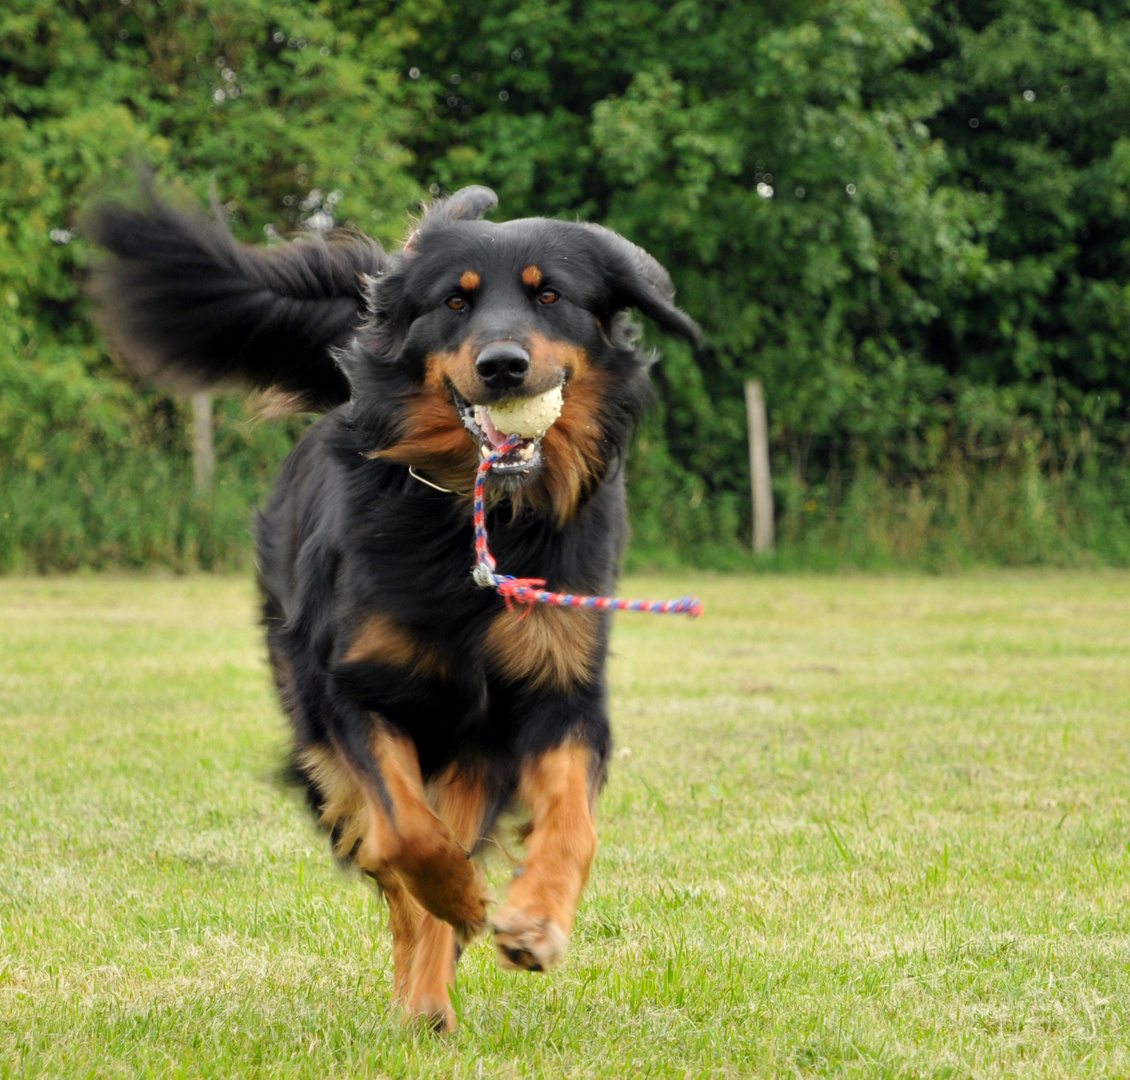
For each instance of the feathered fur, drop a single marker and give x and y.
(420, 704)
(192, 308)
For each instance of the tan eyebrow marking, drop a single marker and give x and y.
(470, 279)
(532, 276)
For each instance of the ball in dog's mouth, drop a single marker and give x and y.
(528, 418)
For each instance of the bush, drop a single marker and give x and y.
(909, 221)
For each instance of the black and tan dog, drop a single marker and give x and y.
(421, 705)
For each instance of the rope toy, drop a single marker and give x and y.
(529, 590)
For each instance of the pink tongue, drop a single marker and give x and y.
(496, 437)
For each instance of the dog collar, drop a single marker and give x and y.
(424, 480)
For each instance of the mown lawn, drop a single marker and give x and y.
(856, 826)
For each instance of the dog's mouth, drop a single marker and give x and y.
(528, 419)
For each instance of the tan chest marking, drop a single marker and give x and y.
(382, 641)
(549, 647)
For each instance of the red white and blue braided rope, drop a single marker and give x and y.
(529, 590)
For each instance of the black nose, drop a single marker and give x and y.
(503, 366)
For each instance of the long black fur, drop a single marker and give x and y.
(347, 533)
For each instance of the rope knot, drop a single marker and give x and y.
(484, 575)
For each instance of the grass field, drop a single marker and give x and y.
(855, 826)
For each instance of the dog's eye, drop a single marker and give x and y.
(548, 296)
(456, 302)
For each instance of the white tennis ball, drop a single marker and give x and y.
(529, 417)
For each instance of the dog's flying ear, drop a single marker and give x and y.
(467, 204)
(470, 203)
(635, 279)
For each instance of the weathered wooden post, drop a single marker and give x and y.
(759, 480)
(203, 447)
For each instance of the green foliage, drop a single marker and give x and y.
(907, 287)
(290, 111)
(910, 221)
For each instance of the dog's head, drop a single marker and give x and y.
(480, 331)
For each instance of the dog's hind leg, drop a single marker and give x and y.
(343, 810)
(531, 929)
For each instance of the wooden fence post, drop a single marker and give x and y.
(203, 447)
(759, 480)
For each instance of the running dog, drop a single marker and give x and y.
(422, 705)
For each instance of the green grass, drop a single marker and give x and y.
(855, 826)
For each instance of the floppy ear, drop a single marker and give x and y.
(467, 204)
(635, 279)
(470, 203)
(388, 321)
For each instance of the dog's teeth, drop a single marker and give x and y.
(484, 450)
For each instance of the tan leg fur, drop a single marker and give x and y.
(531, 929)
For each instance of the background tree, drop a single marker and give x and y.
(908, 219)
(852, 230)
(291, 113)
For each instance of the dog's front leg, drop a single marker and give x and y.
(407, 837)
(420, 856)
(531, 929)
(461, 800)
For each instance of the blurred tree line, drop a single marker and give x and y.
(910, 220)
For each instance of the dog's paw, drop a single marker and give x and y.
(458, 896)
(430, 1012)
(527, 943)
